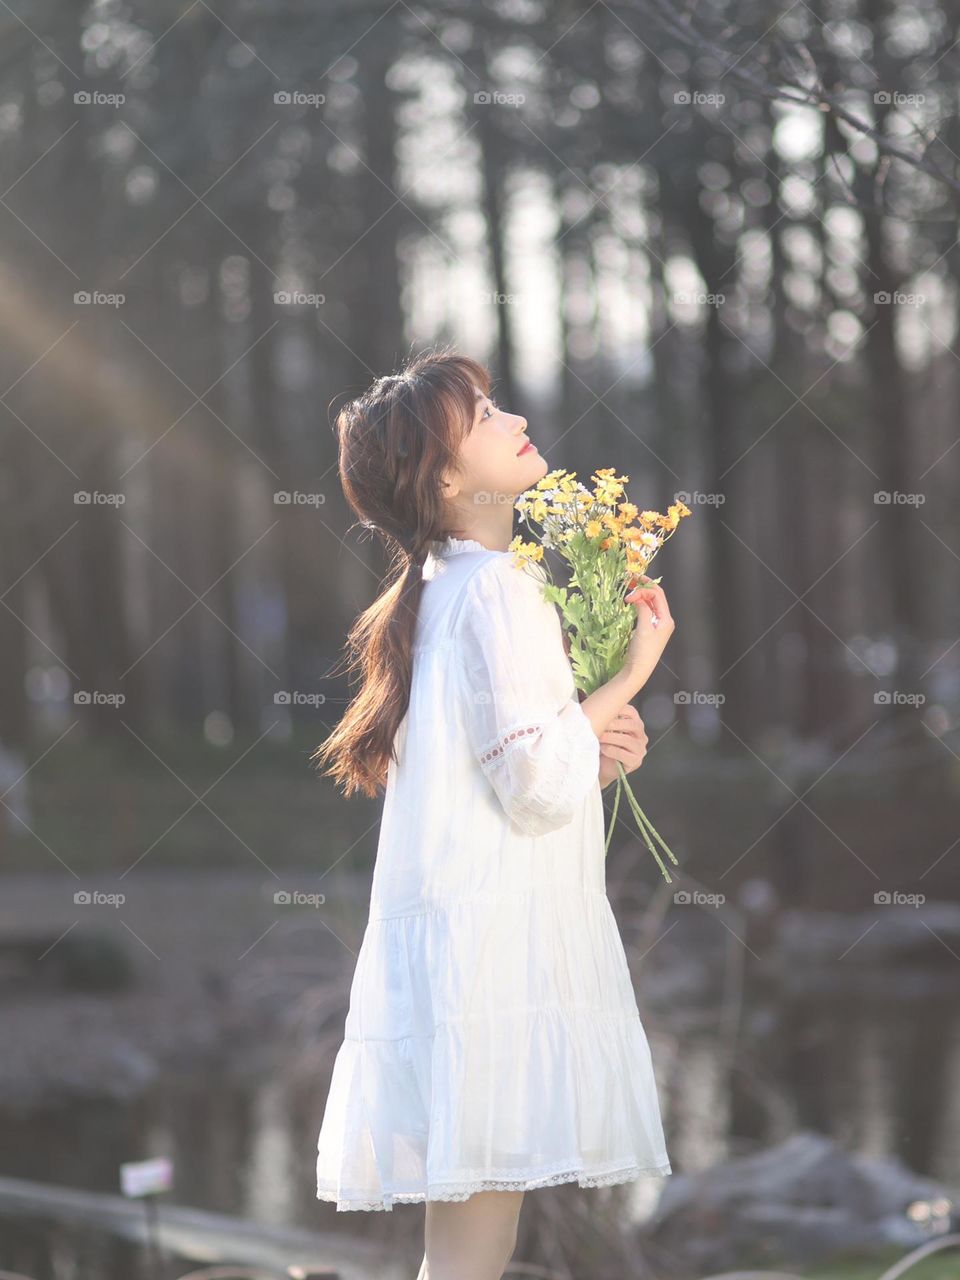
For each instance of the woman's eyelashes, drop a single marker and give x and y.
(490, 407)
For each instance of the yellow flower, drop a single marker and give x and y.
(593, 529)
(553, 478)
(609, 486)
(674, 513)
(525, 551)
(608, 492)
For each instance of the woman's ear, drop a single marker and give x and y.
(450, 485)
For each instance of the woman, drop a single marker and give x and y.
(493, 1042)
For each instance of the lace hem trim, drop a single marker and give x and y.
(464, 1190)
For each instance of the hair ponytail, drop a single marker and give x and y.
(396, 442)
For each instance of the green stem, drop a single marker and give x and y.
(613, 816)
(654, 830)
(643, 822)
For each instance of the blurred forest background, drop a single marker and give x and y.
(714, 246)
(715, 249)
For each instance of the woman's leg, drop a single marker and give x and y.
(470, 1239)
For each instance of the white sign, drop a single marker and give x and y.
(146, 1177)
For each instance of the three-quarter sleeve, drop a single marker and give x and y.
(526, 729)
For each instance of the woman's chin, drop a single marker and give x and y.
(536, 463)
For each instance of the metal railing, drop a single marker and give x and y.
(894, 1272)
(231, 1273)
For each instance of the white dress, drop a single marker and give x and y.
(493, 1039)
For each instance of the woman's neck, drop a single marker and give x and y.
(493, 529)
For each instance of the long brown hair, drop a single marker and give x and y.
(396, 441)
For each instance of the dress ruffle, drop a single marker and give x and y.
(453, 546)
(552, 1084)
(469, 1188)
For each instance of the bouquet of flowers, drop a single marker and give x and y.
(607, 544)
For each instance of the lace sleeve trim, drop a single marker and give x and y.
(498, 749)
(544, 796)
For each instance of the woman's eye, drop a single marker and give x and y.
(486, 411)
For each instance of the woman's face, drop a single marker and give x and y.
(490, 459)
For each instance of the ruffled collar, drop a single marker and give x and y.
(453, 546)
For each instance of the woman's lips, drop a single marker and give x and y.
(526, 448)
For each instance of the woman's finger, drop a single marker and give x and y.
(629, 712)
(622, 719)
(631, 747)
(623, 737)
(628, 731)
(629, 759)
(625, 724)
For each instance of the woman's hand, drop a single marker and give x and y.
(625, 740)
(653, 629)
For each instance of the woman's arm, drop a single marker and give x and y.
(650, 636)
(624, 730)
(528, 733)
(539, 746)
